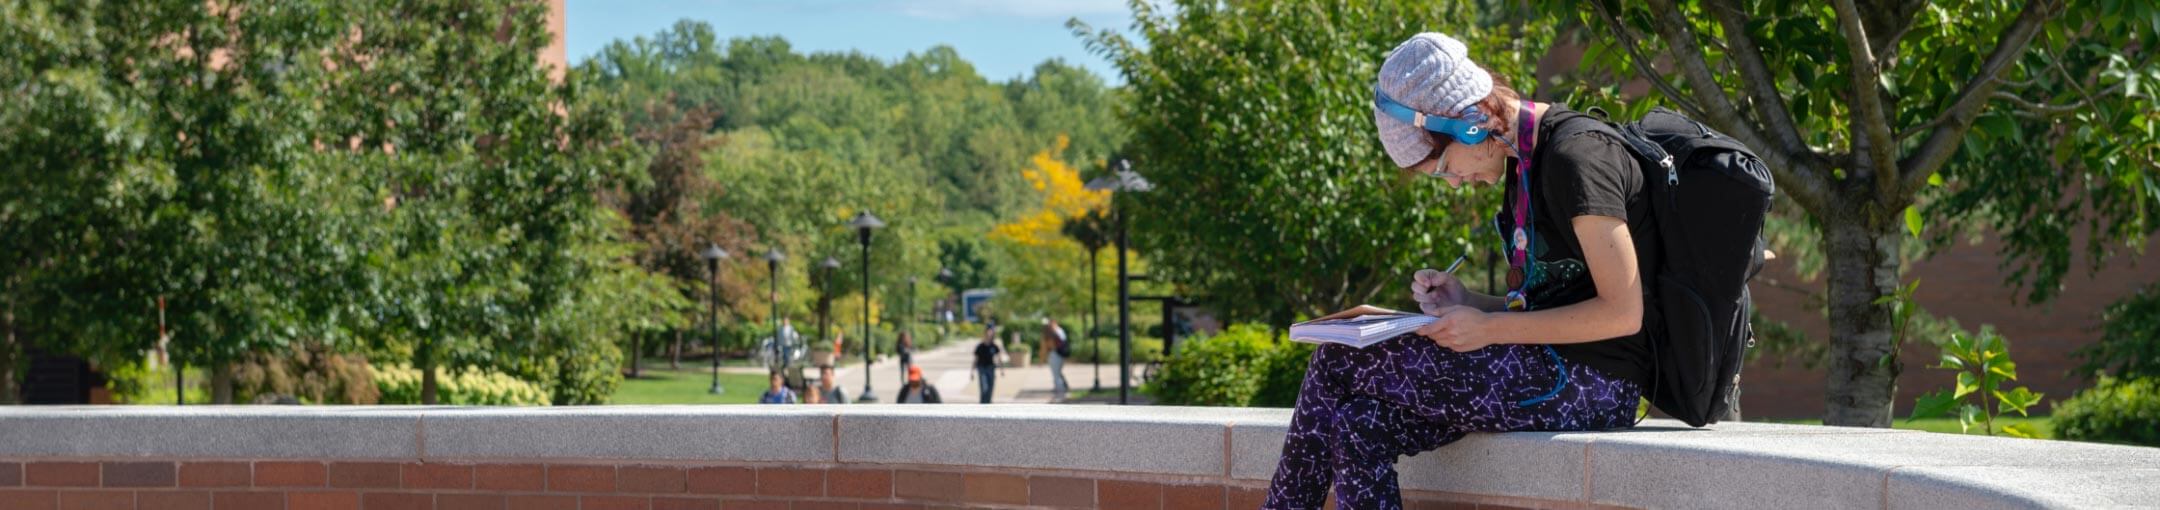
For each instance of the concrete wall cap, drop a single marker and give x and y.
(1660, 464)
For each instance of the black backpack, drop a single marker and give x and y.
(1708, 194)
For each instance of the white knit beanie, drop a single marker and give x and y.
(1430, 73)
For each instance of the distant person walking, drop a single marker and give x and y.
(916, 391)
(1055, 349)
(906, 346)
(986, 362)
(826, 393)
(778, 393)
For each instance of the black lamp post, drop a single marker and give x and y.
(865, 222)
(829, 265)
(773, 258)
(1094, 316)
(712, 256)
(1122, 178)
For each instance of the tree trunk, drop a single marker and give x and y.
(427, 385)
(221, 383)
(675, 352)
(637, 352)
(1863, 266)
(10, 354)
(425, 361)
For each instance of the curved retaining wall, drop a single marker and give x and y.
(1006, 456)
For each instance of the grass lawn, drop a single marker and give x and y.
(697, 362)
(1950, 425)
(659, 385)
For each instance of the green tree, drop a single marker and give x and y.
(1252, 119)
(204, 113)
(71, 136)
(489, 172)
(666, 210)
(2035, 117)
(925, 142)
(2129, 346)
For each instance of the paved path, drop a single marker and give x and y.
(950, 368)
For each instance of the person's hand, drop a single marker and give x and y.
(1434, 291)
(1460, 328)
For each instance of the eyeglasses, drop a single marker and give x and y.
(1439, 151)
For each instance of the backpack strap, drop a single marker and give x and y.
(1655, 161)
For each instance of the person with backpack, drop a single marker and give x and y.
(1055, 349)
(916, 391)
(1568, 345)
(779, 393)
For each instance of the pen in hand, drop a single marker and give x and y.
(1458, 263)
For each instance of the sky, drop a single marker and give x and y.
(1002, 38)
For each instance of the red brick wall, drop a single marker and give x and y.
(1963, 283)
(52, 484)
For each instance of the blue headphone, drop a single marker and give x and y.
(1461, 130)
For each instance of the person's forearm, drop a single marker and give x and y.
(1589, 321)
(1484, 302)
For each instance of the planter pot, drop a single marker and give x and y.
(820, 357)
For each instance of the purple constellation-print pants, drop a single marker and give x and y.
(1359, 409)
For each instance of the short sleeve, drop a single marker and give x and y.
(1589, 175)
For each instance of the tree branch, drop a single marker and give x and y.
(1949, 127)
(2048, 111)
(1871, 139)
(1890, 21)
(1799, 174)
(1718, 109)
(1770, 106)
(1633, 44)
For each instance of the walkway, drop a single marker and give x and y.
(950, 368)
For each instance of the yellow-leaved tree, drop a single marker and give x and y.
(1047, 270)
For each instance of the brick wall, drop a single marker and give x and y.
(182, 484)
(969, 456)
(1963, 283)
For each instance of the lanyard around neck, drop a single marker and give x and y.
(1519, 264)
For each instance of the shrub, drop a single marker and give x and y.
(136, 382)
(400, 384)
(2125, 411)
(312, 374)
(1243, 366)
(1144, 350)
(1283, 374)
(1221, 370)
(309, 373)
(2129, 343)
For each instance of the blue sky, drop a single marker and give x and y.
(1003, 38)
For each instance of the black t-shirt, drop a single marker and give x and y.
(986, 355)
(1586, 174)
